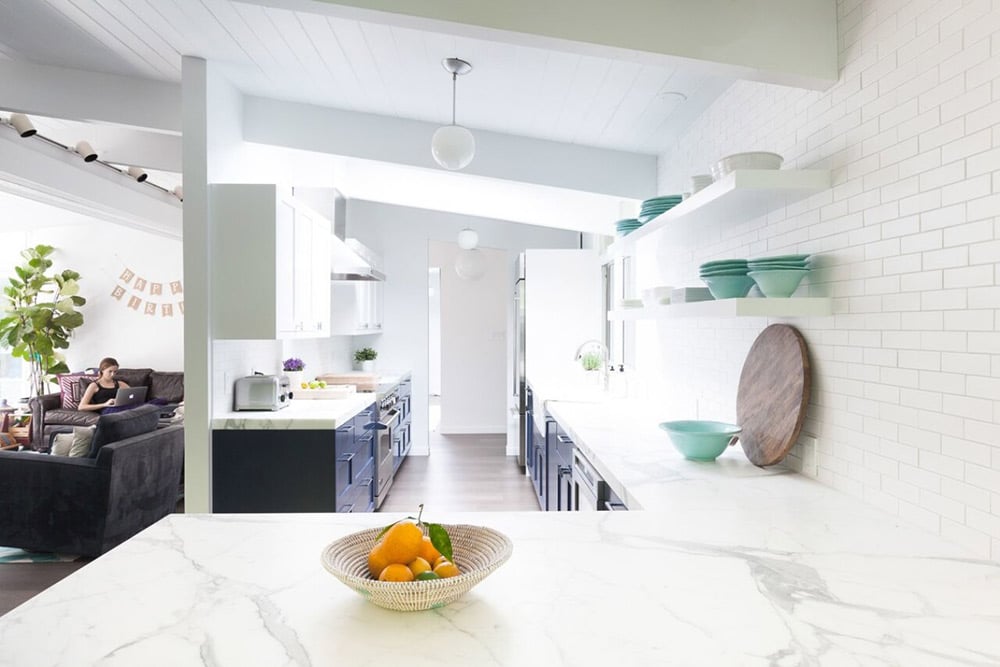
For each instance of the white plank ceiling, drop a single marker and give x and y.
(310, 56)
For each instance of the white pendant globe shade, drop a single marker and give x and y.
(453, 147)
(470, 264)
(468, 239)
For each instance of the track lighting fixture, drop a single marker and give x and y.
(179, 192)
(23, 125)
(138, 173)
(86, 151)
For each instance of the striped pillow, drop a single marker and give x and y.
(71, 388)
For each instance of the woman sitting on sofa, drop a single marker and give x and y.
(100, 394)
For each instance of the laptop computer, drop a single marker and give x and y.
(127, 396)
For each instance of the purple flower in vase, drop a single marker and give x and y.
(292, 364)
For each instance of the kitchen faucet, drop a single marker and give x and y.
(604, 359)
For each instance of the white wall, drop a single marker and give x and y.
(906, 393)
(474, 372)
(102, 253)
(401, 235)
(434, 333)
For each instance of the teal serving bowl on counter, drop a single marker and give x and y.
(700, 440)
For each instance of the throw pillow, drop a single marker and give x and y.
(61, 444)
(71, 388)
(83, 436)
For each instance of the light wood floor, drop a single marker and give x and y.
(466, 473)
(469, 473)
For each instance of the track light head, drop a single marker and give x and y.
(179, 192)
(138, 173)
(86, 151)
(23, 125)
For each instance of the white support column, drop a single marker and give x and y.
(197, 301)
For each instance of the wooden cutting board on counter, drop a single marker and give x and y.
(773, 394)
(363, 381)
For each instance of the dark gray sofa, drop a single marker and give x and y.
(48, 416)
(88, 505)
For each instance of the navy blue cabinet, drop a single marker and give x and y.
(312, 470)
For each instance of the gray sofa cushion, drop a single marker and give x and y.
(122, 425)
(62, 417)
(166, 386)
(134, 377)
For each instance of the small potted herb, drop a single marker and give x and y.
(591, 361)
(364, 359)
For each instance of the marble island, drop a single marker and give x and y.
(723, 586)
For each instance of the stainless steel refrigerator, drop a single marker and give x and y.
(520, 388)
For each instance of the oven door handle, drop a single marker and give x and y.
(390, 423)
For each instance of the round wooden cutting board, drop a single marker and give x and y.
(773, 394)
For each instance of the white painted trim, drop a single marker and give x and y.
(90, 96)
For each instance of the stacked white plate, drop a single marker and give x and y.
(700, 182)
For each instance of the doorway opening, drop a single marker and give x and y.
(467, 342)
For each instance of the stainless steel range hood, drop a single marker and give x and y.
(350, 259)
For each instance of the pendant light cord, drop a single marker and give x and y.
(454, 79)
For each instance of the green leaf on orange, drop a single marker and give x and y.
(440, 540)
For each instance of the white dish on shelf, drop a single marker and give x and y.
(752, 160)
(700, 181)
(630, 303)
(657, 295)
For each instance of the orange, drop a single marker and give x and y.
(446, 569)
(401, 543)
(396, 572)
(377, 561)
(439, 560)
(418, 565)
(427, 550)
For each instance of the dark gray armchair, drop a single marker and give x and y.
(88, 505)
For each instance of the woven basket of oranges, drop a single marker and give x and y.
(354, 559)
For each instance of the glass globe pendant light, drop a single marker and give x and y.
(453, 146)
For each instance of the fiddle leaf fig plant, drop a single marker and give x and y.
(40, 315)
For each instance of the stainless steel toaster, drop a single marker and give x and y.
(261, 392)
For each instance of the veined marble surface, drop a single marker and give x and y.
(585, 588)
(304, 414)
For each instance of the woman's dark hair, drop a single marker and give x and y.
(106, 362)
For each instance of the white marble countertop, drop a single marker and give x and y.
(710, 587)
(301, 414)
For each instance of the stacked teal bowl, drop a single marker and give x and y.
(779, 276)
(726, 278)
(627, 226)
(657, 206)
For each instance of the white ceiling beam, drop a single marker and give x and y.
(90, 96)
(408, 142)
(789, 42)
(41, 171)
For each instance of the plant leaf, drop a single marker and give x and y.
(440, 539)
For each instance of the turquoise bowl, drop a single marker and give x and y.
(700, 440)
(778, 284)
(728, 287)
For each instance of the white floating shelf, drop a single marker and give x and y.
(741, 195)
(747, 307)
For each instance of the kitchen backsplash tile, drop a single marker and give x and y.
(910, 237)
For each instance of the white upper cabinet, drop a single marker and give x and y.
(356, 307)
(282, 248)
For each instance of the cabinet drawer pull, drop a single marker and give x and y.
(614, 507)
(346, 458)
(564, 439)
(565, 470)
(366, 482)
(344, 509)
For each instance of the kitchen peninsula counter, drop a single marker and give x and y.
(300, 414)
(633, 588)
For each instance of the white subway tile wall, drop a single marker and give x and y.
(906, 373)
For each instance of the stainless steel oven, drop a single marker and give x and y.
(387, 427)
